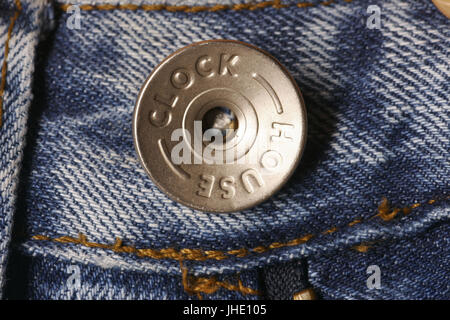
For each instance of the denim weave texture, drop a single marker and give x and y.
(378, 126)
(16, 102)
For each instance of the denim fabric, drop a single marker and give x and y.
(17, 98)
(50, 278)
(378, 120)
(412, 268)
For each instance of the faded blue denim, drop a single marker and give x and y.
(378, 126)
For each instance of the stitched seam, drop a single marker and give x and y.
(363, 247)
(5, 58)
(197, 285)
(194, 9)
(385, 213)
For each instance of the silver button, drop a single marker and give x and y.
(443, 6)
(219, 125)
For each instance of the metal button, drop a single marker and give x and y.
(444, 6)
(219, 125)
(307, 294)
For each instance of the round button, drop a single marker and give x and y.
(443, 6)
(219, 125)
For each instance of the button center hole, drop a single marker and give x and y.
(222, 122)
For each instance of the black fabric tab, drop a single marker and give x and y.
(282, 281)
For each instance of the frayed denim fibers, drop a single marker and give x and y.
(377, 104)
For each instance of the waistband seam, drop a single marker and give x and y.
(385, 213)
(276, 4)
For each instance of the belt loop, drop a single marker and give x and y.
(287, 281)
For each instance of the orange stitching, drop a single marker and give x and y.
(384, 212)
(329, 231)
(363, 247)
(194, 9)
(305, 4)
(5, 58)
(197, 285)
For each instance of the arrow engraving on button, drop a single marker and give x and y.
(176, 169)
(266, 85)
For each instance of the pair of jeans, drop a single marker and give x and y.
(80, 219)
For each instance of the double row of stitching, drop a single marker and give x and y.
(385, 213)
(5, 57)
(194, 9)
